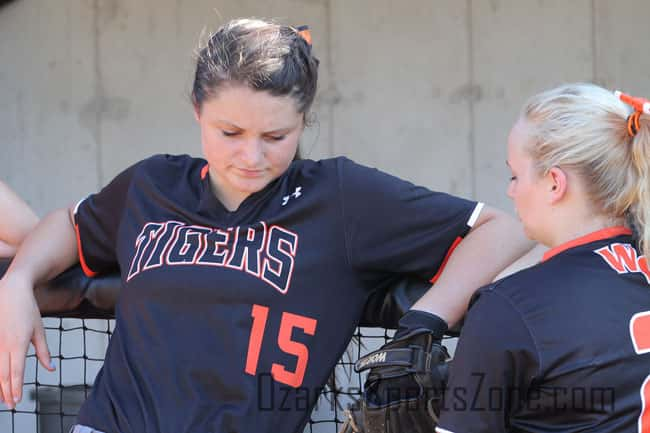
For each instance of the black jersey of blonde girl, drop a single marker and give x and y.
(232, 321)
(562, 346)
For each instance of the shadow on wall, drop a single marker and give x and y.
(4, 2)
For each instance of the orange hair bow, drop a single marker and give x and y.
(305, 33)
(640, 105)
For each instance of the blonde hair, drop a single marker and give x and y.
(583, 127)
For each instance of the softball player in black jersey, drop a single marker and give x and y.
(565, 345)
(244, 273)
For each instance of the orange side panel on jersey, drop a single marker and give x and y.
(444, 262)
(89, 272)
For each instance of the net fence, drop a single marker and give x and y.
(51, 400)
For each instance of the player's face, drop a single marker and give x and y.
(249, 138)
(526, 187)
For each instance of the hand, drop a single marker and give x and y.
(405, 384)
(20, 323)
(407, 378)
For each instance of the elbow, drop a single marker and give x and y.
(493, 215)
(504, 227)
(14, 235)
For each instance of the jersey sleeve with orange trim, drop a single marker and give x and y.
(394, 226)
(96, 220)
(493, 367)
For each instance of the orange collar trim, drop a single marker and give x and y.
(608, 232)
(204, 171)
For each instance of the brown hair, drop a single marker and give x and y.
(260, 54)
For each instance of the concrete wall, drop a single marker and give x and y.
(424, 89)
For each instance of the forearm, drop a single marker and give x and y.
(17, 217)
(49, 249)
(495, 242)
(529, 259)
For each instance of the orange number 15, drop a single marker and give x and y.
(285, 343)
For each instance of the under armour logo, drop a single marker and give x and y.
(297, 193)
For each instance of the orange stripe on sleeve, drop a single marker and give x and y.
(84, 266)
(444, 262)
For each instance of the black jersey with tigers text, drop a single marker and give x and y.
(232, 321)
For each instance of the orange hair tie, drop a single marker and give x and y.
(640, 105)
(633, 123)
(303, 32)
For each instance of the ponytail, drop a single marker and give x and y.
(640, 210)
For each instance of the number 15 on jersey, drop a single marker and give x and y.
(288, 322)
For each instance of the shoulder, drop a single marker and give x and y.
(350, 169)
(351, 172)
(321, 172)
(495, 329)
(355, 182)
(359, 179)
(543, 278)
(572, 275)
(339, 165)
(527, 293)
(161, 162)
(315, 166)
(545, 296)
(162, 173)
(321, 166)
(164, 168)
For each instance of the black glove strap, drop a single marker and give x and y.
(405, 357)
(385, 358)
(413, 358)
